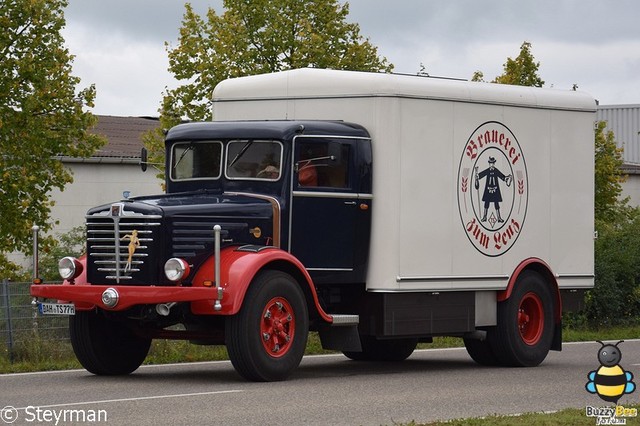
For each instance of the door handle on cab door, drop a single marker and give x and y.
(363, 206)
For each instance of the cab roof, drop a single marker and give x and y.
(268, 129)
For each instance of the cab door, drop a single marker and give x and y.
(325, 205)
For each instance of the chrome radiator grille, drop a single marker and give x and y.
(119, 244)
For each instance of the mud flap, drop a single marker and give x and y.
(342, 335)
(556, 343)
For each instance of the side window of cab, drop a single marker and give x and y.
(322, 163)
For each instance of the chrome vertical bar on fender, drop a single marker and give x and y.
(216, 254)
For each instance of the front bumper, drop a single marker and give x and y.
(87, 297)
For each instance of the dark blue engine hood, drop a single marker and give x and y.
(175, 225)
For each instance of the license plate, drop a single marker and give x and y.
(57, 308)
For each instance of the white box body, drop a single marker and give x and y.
(442, 150)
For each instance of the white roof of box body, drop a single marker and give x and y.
(420, 129)
(312, 82)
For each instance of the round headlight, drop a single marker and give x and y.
(175, 269)
(69, 268)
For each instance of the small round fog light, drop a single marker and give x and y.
(69, 268)
(110, 297)
(175, 269)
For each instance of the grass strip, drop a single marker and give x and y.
(567, 417)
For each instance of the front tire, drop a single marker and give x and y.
(266, 339)
(106, 347)
(526, 324)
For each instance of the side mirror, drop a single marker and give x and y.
(143, 159)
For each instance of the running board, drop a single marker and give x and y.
(341, 320)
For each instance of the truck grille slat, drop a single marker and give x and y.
(109, 234)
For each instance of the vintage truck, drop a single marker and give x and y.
(378, 210)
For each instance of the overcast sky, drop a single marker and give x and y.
(119, 44)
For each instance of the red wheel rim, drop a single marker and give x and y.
(531, 318)
(277, 327)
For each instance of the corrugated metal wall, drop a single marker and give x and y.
(624, 121)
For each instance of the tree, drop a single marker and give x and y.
(615, 299)
(478, 76)
(254, 37)
(41, 117)
(522, 71)
(609, 208)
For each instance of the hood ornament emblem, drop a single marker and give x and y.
(134, 243)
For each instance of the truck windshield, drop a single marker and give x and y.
(254, 159)
(196, 160)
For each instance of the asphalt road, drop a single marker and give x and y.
(325, 390)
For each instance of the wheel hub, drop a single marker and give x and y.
(277, 327)
(531, 318)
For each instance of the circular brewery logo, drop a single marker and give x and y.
(492, 189)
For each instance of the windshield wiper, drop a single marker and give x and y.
(241, 153)
(189, 148)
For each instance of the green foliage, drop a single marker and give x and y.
(256, 37)
(478, 76)
(609, 207)
(566, 417)
(41, 117)
(443, 342)
(173, 351)
(72, 243)
(521, 71)
(259, 37)
(615, 299)
(590, 333)
(38, 354)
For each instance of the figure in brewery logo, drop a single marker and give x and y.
(492, 192)
(493, 189)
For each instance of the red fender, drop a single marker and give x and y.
(237, 270)
(543, 268)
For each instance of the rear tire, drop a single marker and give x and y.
(526, 324)
(480, 350)
(266, 339)
(106, 347)
(391, 350)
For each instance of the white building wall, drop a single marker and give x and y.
(631, 189)
(96, 184)
(624, 121)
